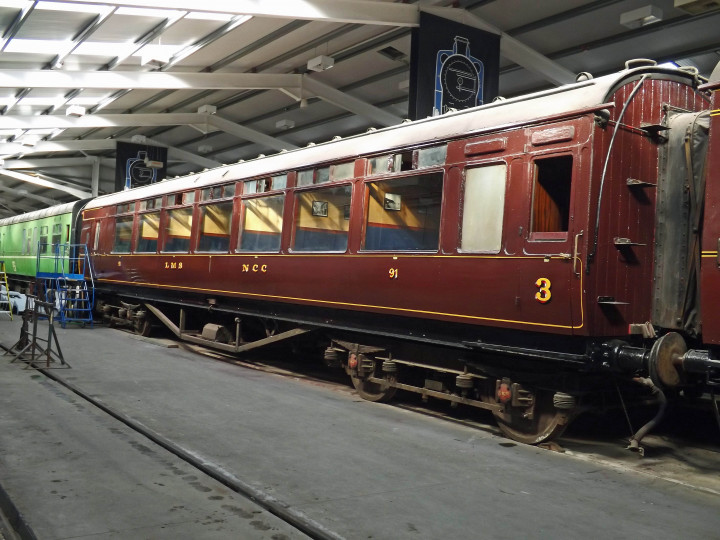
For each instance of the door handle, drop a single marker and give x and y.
(575, 253)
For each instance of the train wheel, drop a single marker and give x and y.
(360, 368)
(372, 391)
(543, 423)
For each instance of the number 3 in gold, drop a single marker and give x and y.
(543, 295)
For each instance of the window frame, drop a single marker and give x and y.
(299, 191)
(200, 215)
(462, 201)
(550, 236)
(240, 225)
(390, 177)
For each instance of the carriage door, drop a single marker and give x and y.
(552, 279)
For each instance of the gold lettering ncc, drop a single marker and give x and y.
(171, 265)
(255, 268)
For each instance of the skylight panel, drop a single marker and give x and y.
(200, 16)
(109, 49)
(73, 8)
(36, 46)
(15, 4)
(147, 12)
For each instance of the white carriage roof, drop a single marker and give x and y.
(39, 214)
(494, 116)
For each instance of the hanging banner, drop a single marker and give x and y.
(139, 165)
(453, 66)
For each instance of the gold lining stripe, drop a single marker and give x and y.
(350, 304)
(333, 255)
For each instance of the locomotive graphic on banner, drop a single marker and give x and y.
(458, 78)
(453, 67)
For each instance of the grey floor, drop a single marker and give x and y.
(359, 469)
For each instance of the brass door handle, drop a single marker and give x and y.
(575, 252)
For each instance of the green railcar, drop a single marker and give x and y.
(21, 235)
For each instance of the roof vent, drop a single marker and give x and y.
(393, 54)
(696, 7)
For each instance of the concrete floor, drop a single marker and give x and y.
(362, 470)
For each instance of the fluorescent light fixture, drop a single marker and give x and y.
(157, 55)
(320, 63)
(30, 140)
(153, 164)
(284, 124)
(205, 149)
(75, 110)
(643, 16)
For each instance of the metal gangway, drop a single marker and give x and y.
(66, 279)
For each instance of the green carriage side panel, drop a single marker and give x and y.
(20, 235)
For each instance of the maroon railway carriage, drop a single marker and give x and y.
(534, 247)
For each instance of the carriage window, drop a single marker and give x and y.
(322, 175)
(177, 199)
(266, 184)
(262, 220)
(218, 192)
(215, 227)
(483, 208)
(125, 208)
(123, 234)
(430, 157)
(44, 244)
(320, 219)
(342, 171)
(96, 239)
(279, 181)
(551, 195)
(57, 234)
(305, 178)
(404, 214)
(177, 230)
(314, 176)
(384, 164)
(148, 232)
(149, 204)
(208, 194)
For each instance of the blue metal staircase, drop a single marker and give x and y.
(65, 274)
